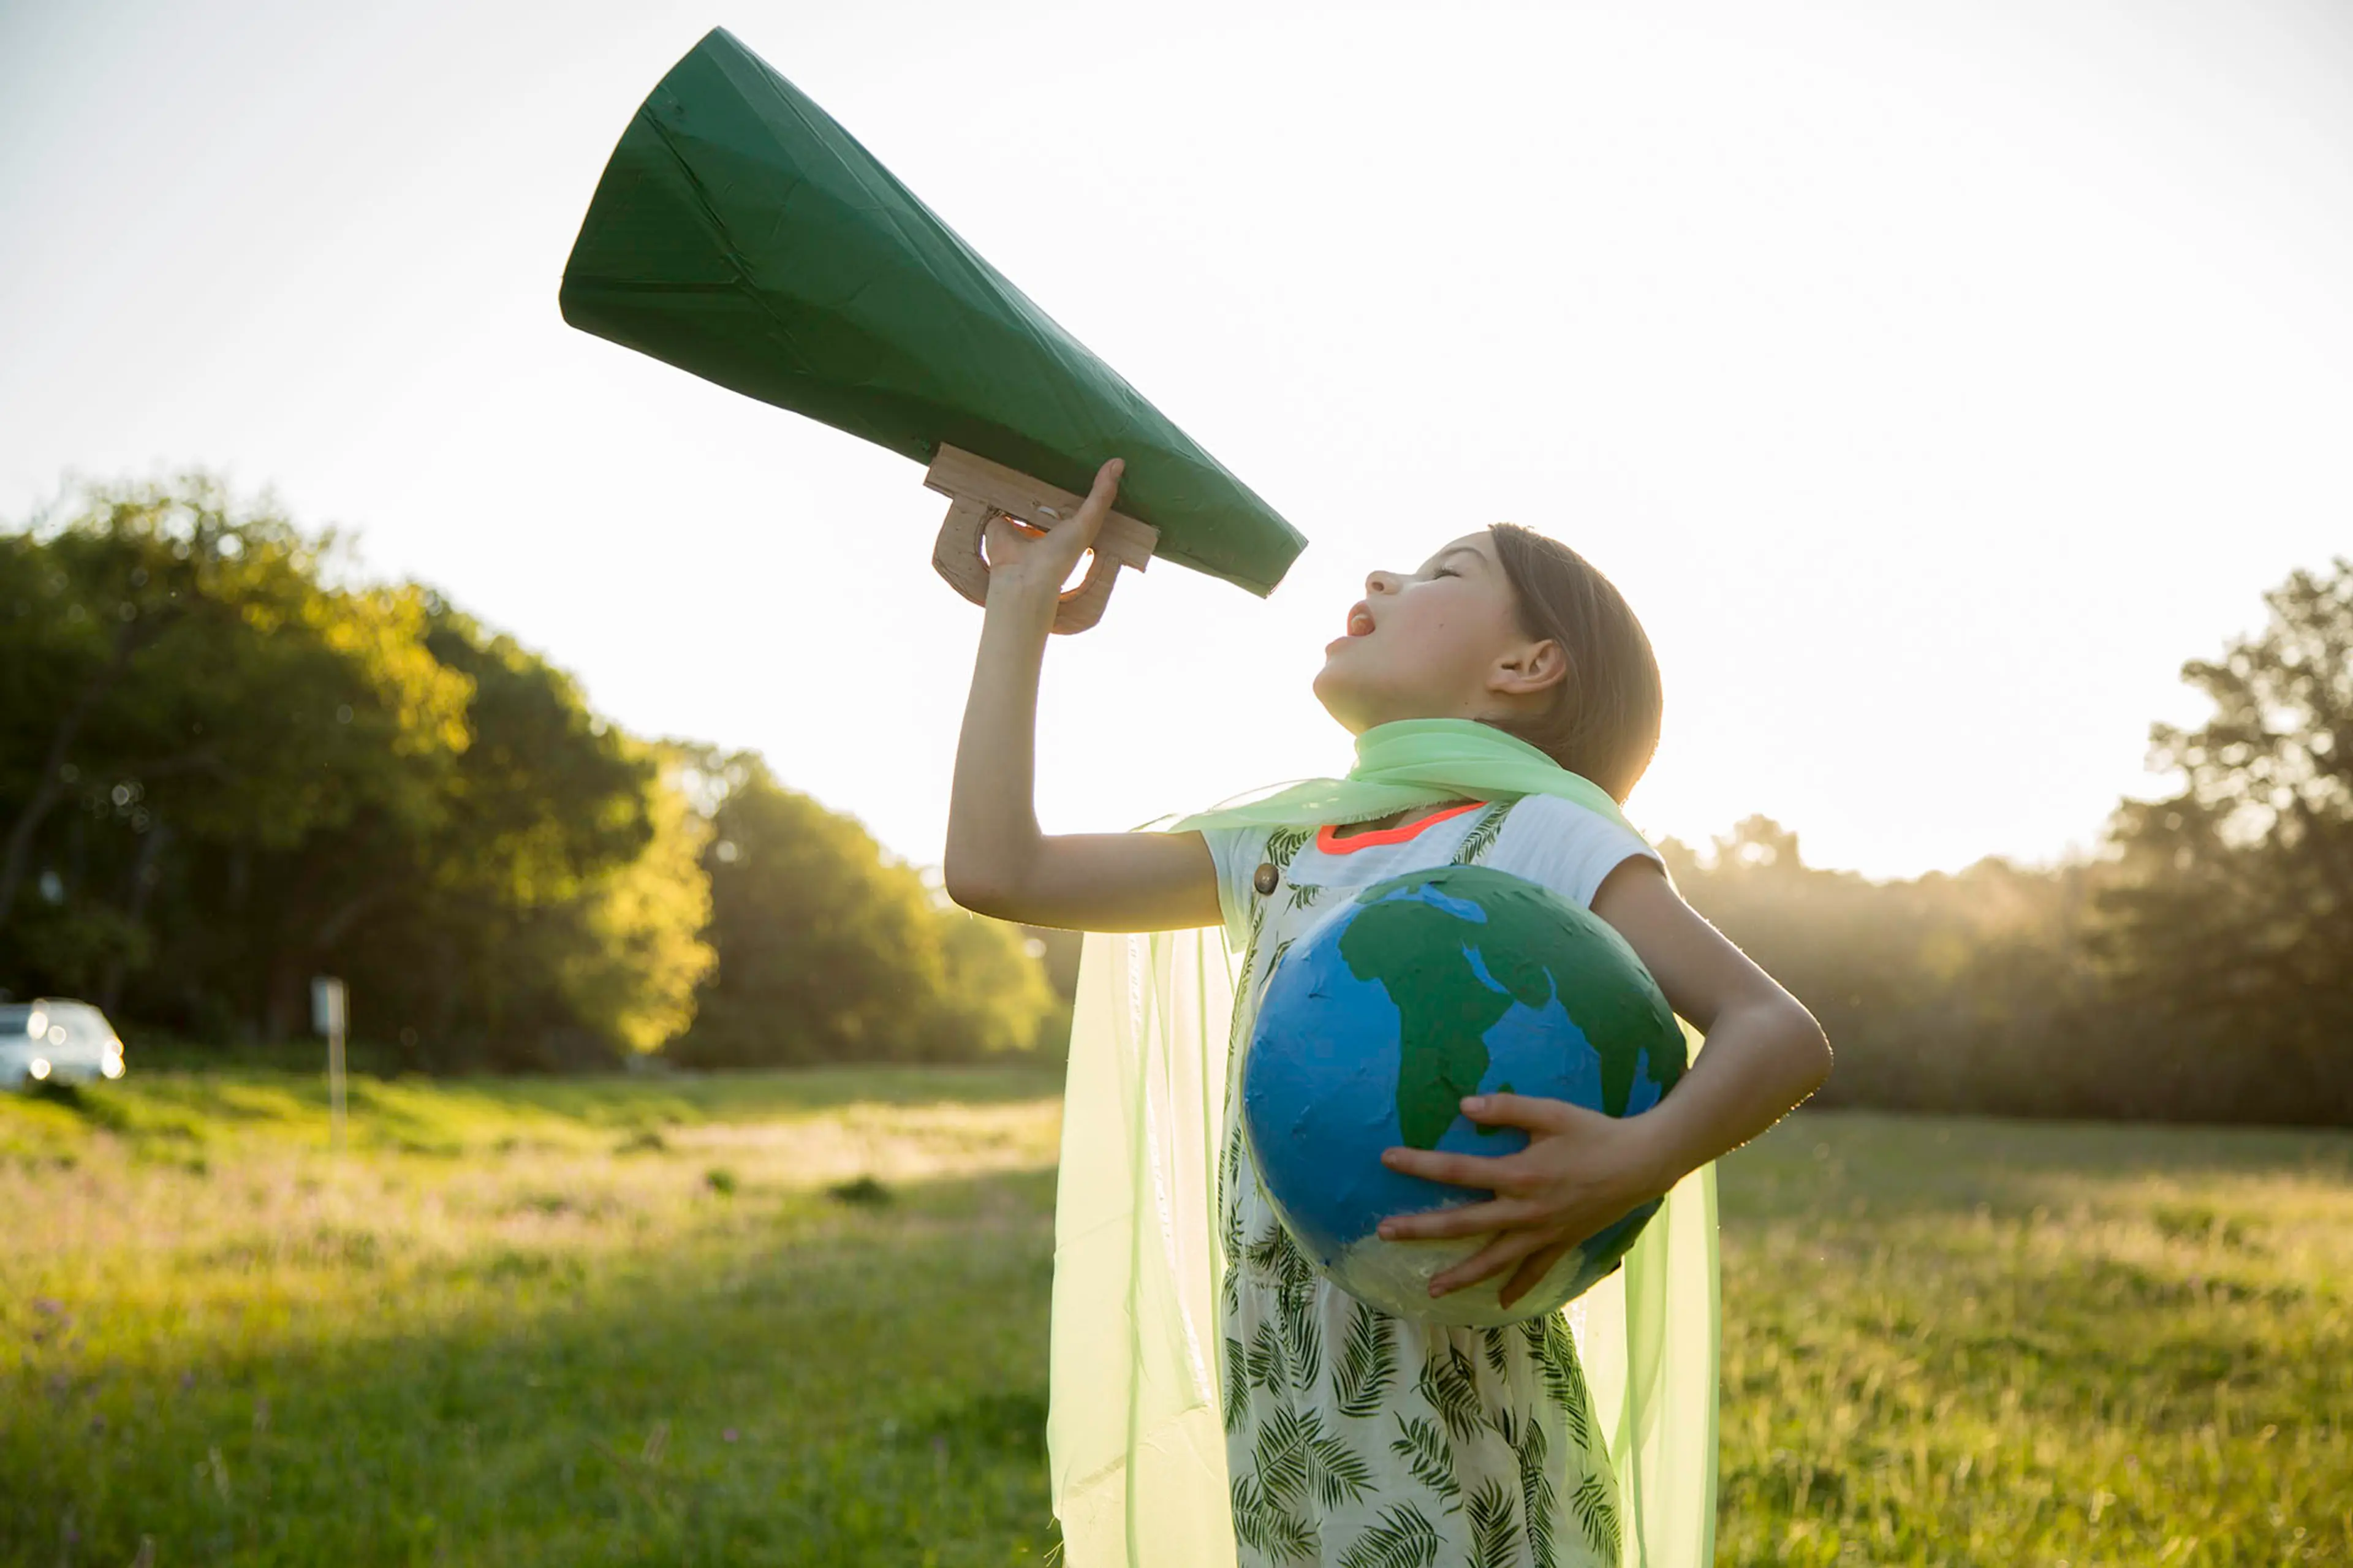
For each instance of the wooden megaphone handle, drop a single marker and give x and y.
(977, 489)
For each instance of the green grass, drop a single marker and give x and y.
(1967, 1342)
(801, 1319)
(511, 1327)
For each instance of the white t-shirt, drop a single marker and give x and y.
(1354, 1436)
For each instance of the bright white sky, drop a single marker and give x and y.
(1934, 378)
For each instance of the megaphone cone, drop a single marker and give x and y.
(740, 234)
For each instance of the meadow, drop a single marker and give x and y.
(801, 1319)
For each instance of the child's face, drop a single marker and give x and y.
(1443, 642)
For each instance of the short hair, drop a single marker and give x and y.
(1603, 721)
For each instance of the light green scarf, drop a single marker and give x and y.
(1411, 763)
(1135, 1434)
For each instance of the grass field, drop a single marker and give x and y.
(801, 1319)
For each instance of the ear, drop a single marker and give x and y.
(1529, 668)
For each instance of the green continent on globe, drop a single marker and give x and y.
(1418, 950)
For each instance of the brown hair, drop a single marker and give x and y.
(1604, 718)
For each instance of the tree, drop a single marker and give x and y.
(158, 644)
(1967, 992)
(549, 919)
(2234, 912)
(227, 764)
(223, 770)
(638, 956)
(187, 682)
(830, 950)
(997, 997)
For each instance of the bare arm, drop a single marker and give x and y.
(997, 861)
(1765, 1052)
(1582, 1169)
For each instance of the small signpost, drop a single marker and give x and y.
(327, 1014)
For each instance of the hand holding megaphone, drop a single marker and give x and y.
(1036, 532)
(1025, 561)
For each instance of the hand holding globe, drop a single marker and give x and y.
(1581, 1169)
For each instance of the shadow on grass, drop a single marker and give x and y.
(815, 1383)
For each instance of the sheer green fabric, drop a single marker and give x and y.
(1135, 1439)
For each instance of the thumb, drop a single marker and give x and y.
(1100, 497)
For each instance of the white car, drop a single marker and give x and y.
(55, 1040)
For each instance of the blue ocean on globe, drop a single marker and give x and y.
(1441, 982)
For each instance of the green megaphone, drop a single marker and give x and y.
(740, 234)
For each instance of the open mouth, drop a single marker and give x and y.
(1360, 620)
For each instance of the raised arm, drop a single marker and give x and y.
(997, 862)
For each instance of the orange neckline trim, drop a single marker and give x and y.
(1399, 835)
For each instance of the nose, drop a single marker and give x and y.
(1380, 583)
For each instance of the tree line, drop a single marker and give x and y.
(2199, 967)
(227, 764)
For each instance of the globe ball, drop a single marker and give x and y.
(1378, 1021)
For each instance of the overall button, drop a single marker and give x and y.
(1266, 878)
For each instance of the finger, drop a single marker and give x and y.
(1534, 1112)
(1004, 536)
(1490, 1259)
(1059, 544)
(1471, 1219)
(1493, 1171)
(1530, 1272)
(1070, 537)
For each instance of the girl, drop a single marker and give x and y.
(1505, 699)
